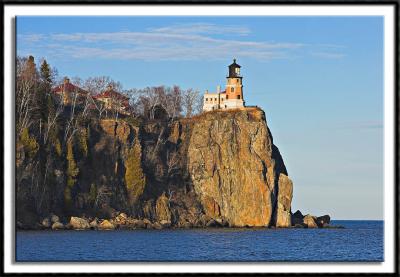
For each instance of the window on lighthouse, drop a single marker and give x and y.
(232, 89)
(237, 70)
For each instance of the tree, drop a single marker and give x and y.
(174, 104)
(98, 84)
(26, 83)
(46, 72)
(72, 173)
(134, 177)
(190, 102)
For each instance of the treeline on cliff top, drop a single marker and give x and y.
(34, 82)
(53, 139)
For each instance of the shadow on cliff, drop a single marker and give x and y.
(279, 168)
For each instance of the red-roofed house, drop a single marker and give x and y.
(68, 90)
(113, 99)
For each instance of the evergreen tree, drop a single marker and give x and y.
(44, 90)
(45, 72)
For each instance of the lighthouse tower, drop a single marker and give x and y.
(234, 87)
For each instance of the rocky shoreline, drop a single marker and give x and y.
(124, 222)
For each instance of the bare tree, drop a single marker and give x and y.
(95, 85)
(76, 98)
(52, 120)
(26, 76)
(100, 107)
(190, 100)
(174, 101)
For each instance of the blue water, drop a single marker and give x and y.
(359, 241)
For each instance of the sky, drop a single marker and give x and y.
(318, 79)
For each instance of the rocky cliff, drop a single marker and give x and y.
(218, 168)
(237, 172)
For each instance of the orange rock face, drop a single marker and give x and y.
(230, 161)
(119, 129)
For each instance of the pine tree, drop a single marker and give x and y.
(45, 72)
(44, 90)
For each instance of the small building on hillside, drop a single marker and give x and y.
(113, 100)
(231, 97)
(68, 91)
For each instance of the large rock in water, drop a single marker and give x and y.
(324, 220)
(235, 168)
(310, 221)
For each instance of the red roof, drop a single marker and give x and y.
(112, 94)
(68, 87)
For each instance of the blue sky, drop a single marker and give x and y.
(319, 80)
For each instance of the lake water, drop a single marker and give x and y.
(359, 241)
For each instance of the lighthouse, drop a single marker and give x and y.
(231, 97)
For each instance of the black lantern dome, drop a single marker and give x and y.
(234, 70)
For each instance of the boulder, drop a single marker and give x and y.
(165, 223)
(297, 218)
(157, 226)
(323, 220)
(46, 223)
(310, 221)
(54, 218)
(106, 225)
(147, 223)
(57, 226)
(94, 224)
(121, 218)
(149, 226)
(78, 223)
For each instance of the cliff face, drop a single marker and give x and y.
(234, 173)
(219, 167)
